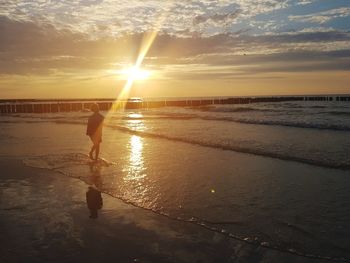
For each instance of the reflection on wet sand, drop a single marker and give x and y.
(136, 164)
(135, 181)
(94, 201)
(95, 175)
(135, 168)
(93, 195)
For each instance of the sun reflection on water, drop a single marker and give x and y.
(136, 185)
(136, 163)
(135, 122)
(135, 168)
(135, 115)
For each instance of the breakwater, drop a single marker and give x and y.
(69, 105)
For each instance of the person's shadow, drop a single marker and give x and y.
(94, 201)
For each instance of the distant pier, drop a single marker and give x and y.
(53, 106)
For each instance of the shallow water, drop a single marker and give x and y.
(188, 164)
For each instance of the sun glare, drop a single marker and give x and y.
(135, 73)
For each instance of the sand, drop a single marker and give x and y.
(44, 218)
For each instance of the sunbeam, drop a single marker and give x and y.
(146, 43)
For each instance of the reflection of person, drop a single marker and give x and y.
(94, 201)
(94, 130)
(95, 177)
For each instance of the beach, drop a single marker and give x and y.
(44, 218)
(179, 185)
(175, 131)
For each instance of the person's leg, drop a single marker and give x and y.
(92, 148)
(97, 150)
(92, 151)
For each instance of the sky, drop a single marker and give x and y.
(197, 48)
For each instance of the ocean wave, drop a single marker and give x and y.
(293, 124)
(283, 120)
(337, 113)
(319, 126)
(270, 122)
(237, 109)
(161, 117)
(316, 107)
(263, 108)
(228, 147)
(270, 153)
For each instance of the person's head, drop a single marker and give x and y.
(95, 108)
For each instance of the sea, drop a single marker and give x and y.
(274, 174)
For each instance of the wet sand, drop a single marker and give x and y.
(44, 218)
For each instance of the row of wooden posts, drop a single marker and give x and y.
(69, 106)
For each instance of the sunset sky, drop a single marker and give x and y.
(82, 48)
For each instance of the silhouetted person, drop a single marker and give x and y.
(94, 130)
(94, 201)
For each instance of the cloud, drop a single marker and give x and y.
(217, 18)
(80, 37)
(29, 48)
(111, 18)
(117, 17)
(322, 17)
(305, 2)
(251, 8)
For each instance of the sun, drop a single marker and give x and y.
(135, 73)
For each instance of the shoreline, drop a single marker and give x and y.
(44, 217)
